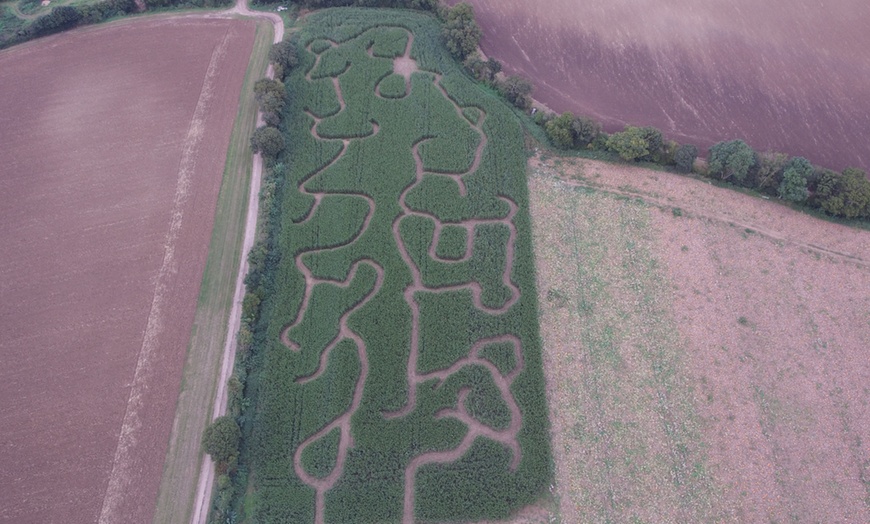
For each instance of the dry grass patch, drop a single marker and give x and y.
(705, 351)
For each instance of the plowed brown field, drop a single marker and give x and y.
(114, 140)
(789, 76)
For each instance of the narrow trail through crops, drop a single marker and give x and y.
(405, 65)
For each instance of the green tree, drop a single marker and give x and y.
(846, 194)
(654, 143)
(630, 144)
(483, 70)
(685, 157)
(794, 180)
(284, 56)
(559, 131)
(221, 439)
(731, 160)
(585, 131)
(266, 88)
(771, 166)
(268, 141)
(461, 32)
(516, 90)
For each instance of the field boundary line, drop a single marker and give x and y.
(662, 203)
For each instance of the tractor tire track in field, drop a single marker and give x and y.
(508, 436)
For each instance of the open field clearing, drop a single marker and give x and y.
(786, 75)
(114, 139)
(705, 351)
(395, 374)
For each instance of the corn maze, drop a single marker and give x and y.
(396, 375)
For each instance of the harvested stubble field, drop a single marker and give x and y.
(396, 373)
(114, 140)
(786, 75)
(705, 351)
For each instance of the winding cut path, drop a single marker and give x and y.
(405, 65)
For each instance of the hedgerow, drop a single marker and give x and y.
(344, 237)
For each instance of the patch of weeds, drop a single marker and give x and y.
(556, 297)
(584, 307)
(677, 213)
(743, 321)
(684, 249)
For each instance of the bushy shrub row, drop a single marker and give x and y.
(284, 412)
(794, 179)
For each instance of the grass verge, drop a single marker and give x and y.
(204, 352)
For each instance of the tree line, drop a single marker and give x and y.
(842, 194)
(65, 17)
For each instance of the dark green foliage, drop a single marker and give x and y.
(685, 157)
(221, 439)
(484, 401)
(655, 144)
(731, 160)
(482, 70)
(389, 43)
(794, 180)
(560, 132)
(473, 115)
(567, 131)
(452, 244)
(271, 97)
(517, 90)
(768, 176)
(502, 356)
(392, 86)
(268, 141)
(285, 54)
(471, 489)
(585, 130)
(320, 45)
(331, 243)
(461, 32)
(631, 144)
(846, 194)
(318, 459)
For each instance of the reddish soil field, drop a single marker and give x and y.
(706, 351)
(789, 76)
(114, 141)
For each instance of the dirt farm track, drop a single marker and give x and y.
(114, 140)
(787, 76)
